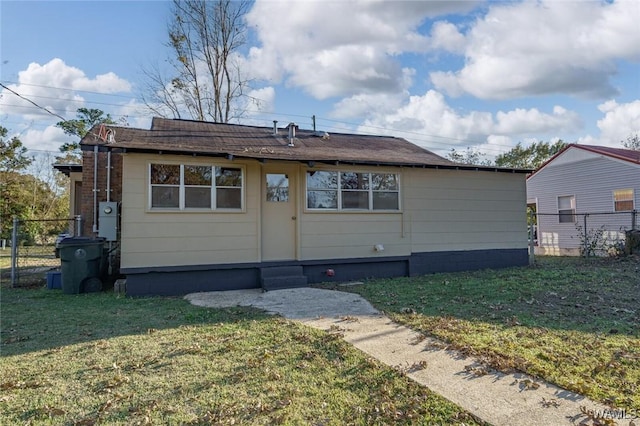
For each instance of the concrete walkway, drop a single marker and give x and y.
(497, 398)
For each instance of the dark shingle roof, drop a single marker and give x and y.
(68, 168)
(205, 138)
(619, 153)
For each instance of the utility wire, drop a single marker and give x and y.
(386, 129)
(31, 102)
(65, 88)
(416, 136)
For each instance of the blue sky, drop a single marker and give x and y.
(441, 74)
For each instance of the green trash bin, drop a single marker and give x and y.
(82, 261)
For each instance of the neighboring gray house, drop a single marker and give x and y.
(601, 181)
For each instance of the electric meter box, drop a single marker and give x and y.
(108, 220)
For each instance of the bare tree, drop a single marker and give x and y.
(205, 37)
(632, 142)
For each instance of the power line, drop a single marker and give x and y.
(389, 130)
(416, 136)
(35, 104)
(66, 88)
(89, 103)
(78, 101)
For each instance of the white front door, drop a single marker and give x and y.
(279, 213)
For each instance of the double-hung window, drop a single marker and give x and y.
(322, 190)
(203, 187)
(567, 209)
(165, 185)
(355, 190)
(385, 191)
(197, 186)
(623, 200)
(347, 190)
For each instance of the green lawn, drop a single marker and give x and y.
(99, 359)
(572, 321)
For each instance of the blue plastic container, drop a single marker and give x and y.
(54, 280)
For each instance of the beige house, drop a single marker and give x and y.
(205, 206)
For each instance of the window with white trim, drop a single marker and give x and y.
(186, 186)
(623, 200)
(567, 209)
(332, 190)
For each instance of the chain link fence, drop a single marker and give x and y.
(32, 252)
(585, 234)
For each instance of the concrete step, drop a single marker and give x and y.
(281, 277)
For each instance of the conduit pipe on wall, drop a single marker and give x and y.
(109, 261)
(95, 188)
(108, 175)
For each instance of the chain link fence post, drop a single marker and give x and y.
(14, 252)
(532, 257)
(78, 225)
(586, 236)
(33, 248)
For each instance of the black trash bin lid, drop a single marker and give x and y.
(72, 241)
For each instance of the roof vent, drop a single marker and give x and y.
(111, 136)
(321, 134)
(292, 133)
(275, 127)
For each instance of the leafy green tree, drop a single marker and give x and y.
(13, 155)
(85, 119)
(468, 156)
(13, 160)
(24, 195)
(530, 157)
(632, 142)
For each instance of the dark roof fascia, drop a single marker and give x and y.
(229, 155)
(67, 169)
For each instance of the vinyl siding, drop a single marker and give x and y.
(465, 210)
(591, 178)
(161, 238)
(348, 235)
(351, 234)
(441, 210)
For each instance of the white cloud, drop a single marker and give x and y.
(620, 121)
(132, 114)
(340, 48)
(429, 121)
(537, 48)
(49, 139)
(363, 105)
(446, 36)
(260, 100)
(370, 104)
(56, 73)
(532, 121)
(53, 86)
